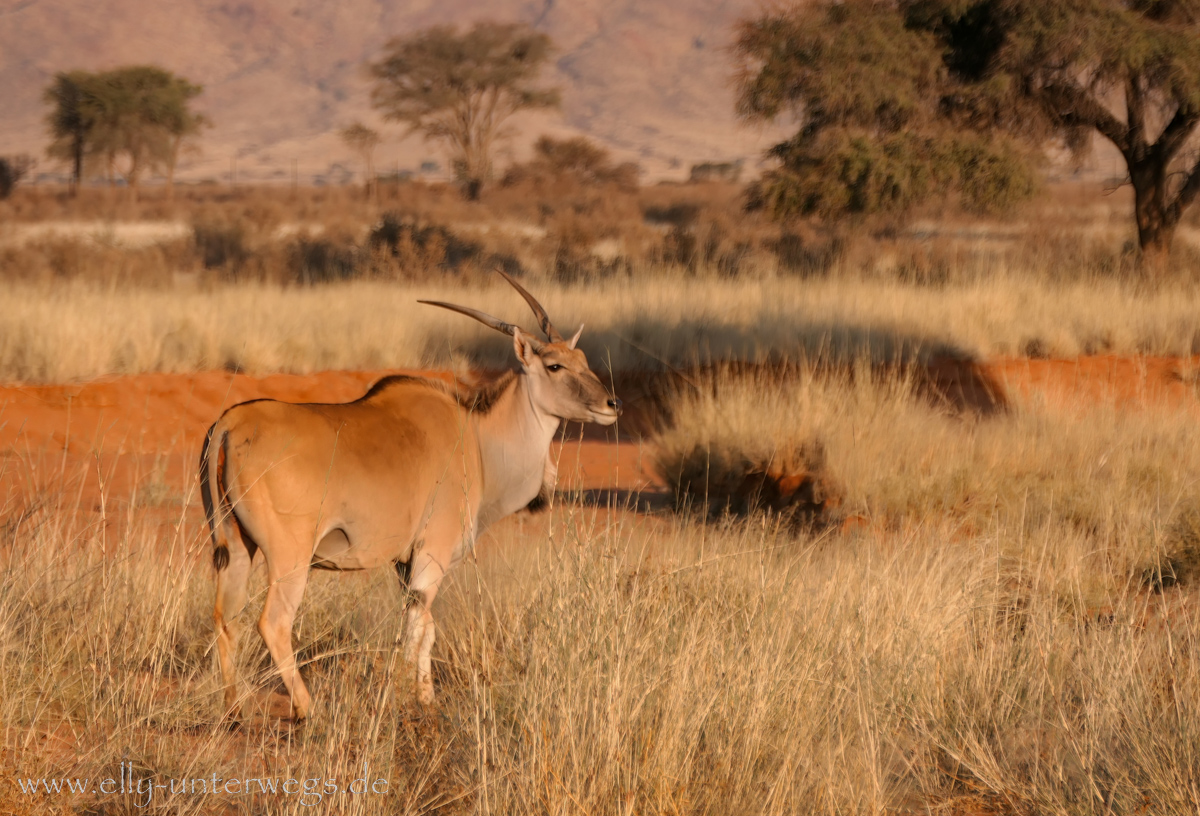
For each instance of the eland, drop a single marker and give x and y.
(410, 475)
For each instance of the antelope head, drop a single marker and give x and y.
(561, 384)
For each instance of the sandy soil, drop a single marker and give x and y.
(144, 431)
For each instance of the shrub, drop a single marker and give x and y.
(220, 245)
(321, 260)
(577, 160)
(418, 250)
(12, 170)
(791, 480)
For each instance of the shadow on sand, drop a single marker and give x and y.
(649, 366)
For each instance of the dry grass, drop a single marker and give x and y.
(1124, 476)
(982, 645)
(1010, 627)
(68, 331)
(667, 275)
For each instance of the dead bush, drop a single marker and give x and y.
(221, 245)
(792, 480)
(324, 260)
(406, 249)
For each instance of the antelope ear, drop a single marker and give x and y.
(575, 339)
(523, 348)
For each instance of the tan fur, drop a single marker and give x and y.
(410, 474)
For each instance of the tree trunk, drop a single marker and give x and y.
(1156, 227)
(77, 177)
(172, 159)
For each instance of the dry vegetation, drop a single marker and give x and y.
(66, 332)
(1010, 629)
(299, 280)
(1001, 619)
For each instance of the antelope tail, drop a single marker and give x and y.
(212, 492)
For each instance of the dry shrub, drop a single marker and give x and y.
(221, 245)
(792, 481)
(323, 260)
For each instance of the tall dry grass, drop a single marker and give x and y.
(664, 275)
(51, 333)
(986, 644)
(1124, 475)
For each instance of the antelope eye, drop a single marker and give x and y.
(553, 367)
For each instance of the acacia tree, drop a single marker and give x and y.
(139, 114)
(148, 117)
(363, 141)
(898, 100)
(73, 97)
(460, 89)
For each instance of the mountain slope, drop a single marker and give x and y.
(651, 79)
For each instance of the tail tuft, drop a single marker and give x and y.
(212, 494)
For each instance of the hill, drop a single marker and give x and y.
(650, 79)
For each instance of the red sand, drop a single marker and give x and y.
(147, 428)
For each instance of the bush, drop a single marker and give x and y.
(416, 250)
(321, 260)
(12, 170)
(220, 245)
(792, 481)
(577, 160)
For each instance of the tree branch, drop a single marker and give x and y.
(1186, 195)
(1075, 105)
(1135, 113)
(1176, 133)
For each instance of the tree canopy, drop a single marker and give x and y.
(900, 101)
(461, 88)
(137, 116)
(363, 140)
(575, 159)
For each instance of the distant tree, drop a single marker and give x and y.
(73, 97)
(461, 88)
(578, 159)
(177, 126)
(897, 101)
(140, 114)
(149, 118)
(363, 141)
(12, 170)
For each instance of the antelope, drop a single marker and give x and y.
(410, 474)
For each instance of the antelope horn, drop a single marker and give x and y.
(543, 319)
(485, 319)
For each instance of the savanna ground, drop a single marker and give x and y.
(903, 519)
